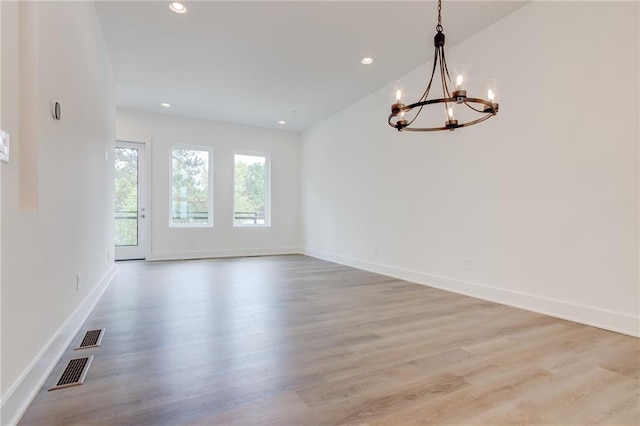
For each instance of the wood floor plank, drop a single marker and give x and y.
(292, 340)
(448, 409)
(596, 394)
(400, 374)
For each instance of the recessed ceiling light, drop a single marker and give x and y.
(282, 122)
(177, 7)
(366, 61)
(166, 105)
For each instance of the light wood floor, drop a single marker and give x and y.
(292, 340)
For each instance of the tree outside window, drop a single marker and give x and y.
(251, 190)
(191, 198)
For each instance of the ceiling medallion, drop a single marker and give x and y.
(451, 99)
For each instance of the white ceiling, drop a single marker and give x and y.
(255, 63)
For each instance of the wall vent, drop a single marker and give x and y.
(74, 373)
(92, 339)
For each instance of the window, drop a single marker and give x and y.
(251, 190)
(126, 212)
(191, 186)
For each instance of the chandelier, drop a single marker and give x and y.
(454, 96)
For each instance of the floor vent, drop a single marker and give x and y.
(74, 373)
(92, 339)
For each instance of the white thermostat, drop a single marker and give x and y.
(4, 146)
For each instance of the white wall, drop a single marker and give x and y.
(543, 199)
(52, 51)
(160, 131)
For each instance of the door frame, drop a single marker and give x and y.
(144, 189)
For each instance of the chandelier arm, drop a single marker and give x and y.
(446, 68)
(421, 104)
(430, 102)
(484, 102)
(424, 129)
(476, 121)
(433, 71)
(445, 88)
(448, 100)
(416, 116)
(434, 129)
(473, 108)
(426, 92)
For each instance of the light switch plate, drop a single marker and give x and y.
(4, 146)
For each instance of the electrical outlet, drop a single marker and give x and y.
(78, 281)
(466, 262)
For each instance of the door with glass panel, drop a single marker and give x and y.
(130, 203)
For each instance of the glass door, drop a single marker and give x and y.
(130, 203)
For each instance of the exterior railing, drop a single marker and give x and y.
(245, 218)
(126, 215)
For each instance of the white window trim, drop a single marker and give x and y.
(209, 223)
(267, 201)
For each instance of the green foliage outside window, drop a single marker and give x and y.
(189, 186)
(250, 198)
(126, 203)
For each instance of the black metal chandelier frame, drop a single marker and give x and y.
(459, 96)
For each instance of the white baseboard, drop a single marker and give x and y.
(17, 399)
(206, 254)
(589, 315)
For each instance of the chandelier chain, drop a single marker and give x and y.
(439, 26)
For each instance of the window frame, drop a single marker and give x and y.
(210, 204)
(267, 183)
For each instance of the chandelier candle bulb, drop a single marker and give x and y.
(451, 123)
(402, 122)
(458, 82)
(397, 105)
(450, 115)
(492, 94)
(492, 90)
(459, 76)
(398, 89)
